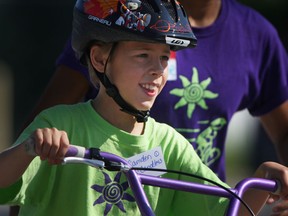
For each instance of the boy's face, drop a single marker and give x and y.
(138, 71)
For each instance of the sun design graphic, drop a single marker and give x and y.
(112, 193)
(193, 93)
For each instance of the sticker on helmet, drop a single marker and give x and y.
(100, 8)
(131, 16)
(177, 41)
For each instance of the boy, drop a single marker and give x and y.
(126, 47)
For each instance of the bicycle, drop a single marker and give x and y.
(95, 158)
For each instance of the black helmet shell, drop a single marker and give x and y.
(161, 21)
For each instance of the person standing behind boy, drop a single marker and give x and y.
(127, 91)
(240, 63)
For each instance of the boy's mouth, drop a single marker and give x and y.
(150, 89)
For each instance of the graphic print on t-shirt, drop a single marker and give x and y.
(112, 193)
(194, 94)
(204, 142)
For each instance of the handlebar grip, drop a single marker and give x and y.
(278, 186)
(77, 151)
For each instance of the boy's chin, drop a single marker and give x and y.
(145, 106)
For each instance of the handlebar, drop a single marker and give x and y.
(79, 154)
(136, 180)
(93, 163)
(95, 158)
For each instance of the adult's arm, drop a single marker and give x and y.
(276, 125)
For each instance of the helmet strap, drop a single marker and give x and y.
(112, 91)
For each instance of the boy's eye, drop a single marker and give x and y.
(165, 58)
(143, 55)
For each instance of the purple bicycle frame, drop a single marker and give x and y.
(137, 180)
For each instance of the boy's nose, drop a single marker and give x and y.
(157, 67)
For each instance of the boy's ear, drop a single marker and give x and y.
(98, 57)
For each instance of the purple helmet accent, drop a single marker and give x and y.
(160, 21)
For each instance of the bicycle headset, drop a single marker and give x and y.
(153, 21)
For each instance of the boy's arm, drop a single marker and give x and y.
(13, 163)
(256, 199)
(48, 143)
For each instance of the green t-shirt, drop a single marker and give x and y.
(76, 189)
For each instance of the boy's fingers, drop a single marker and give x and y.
(38, 141)
(64, 144)
(272, 199)
(50, 143)
(281, 206)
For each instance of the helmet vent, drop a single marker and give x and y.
(151, 5)
(171, 8)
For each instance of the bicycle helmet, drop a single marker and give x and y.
(161, 21)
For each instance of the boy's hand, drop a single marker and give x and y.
(50, 144)
(273, 170)
(280, 209)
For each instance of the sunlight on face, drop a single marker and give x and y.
(138, 71)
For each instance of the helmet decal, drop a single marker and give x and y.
(100, 8)
(177, 41)
(131, 17)
(128, 13)
(165, 26)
